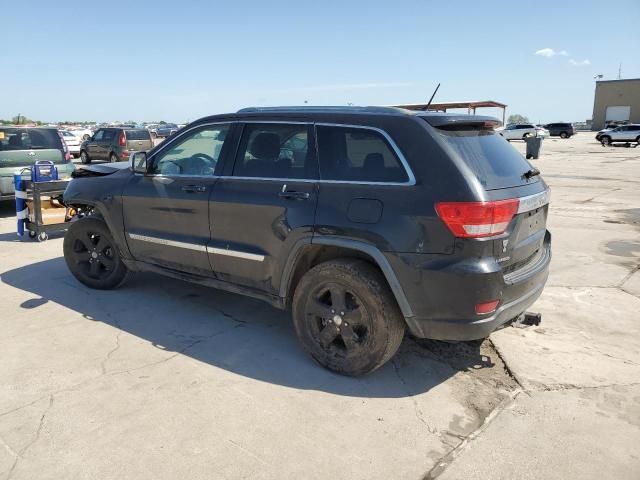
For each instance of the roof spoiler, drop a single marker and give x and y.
(456, 121)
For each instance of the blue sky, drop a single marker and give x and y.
(180, 60)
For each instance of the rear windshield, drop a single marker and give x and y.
(16, 143)
(495, 162)
(137, 134)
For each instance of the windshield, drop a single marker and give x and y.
(496, 163)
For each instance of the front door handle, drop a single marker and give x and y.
(194, 188)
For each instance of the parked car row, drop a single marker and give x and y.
(520, 131)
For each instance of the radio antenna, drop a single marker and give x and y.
(431, 99)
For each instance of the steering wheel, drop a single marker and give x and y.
(206, 163)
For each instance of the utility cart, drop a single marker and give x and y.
(38, 209)
(36, 223)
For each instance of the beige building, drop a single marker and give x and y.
(616, 101)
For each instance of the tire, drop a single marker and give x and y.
(84, 157)
(43, 237)
(638, 139)
(92, 255)
(86, 136)
(361, 339)
(605, 140)
(113, 158)
(564, 135)
(32, 234)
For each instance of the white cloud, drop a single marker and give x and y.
(550, 52)
(579, 63)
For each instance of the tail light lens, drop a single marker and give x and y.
(65, 148)
(122, 140)
(477, 219)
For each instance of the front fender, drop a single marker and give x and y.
(104, 194)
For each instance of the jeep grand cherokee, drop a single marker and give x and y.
(364, 221)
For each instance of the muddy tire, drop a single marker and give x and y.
(92, 255)
(346, 317)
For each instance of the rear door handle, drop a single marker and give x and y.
(292, 194)
(194, 188)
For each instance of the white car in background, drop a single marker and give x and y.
(73, 142)
(81, 132)
(518, 131)
(623, 133)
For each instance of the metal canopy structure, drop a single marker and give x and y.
(443, 107)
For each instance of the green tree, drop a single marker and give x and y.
(517, 118)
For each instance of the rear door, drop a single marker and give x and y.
(104, 145)
(264, 203)
(166, 212)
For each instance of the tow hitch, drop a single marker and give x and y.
(527, 319)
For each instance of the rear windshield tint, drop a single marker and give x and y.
(494, 161)
(137, 134)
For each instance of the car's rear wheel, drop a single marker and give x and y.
(86, 136)
(113, 158)
(84, 157)
(563, 135)
(346, 316)
(92, 255)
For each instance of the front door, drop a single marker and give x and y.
(264, 203)
(93, 145)
(166, 212)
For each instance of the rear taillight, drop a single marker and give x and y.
(65, 148)
(122, 140)
(477, 219)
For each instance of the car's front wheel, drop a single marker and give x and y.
(92, 255)
(84, 157)
(605, 140)
(563, 135)
(346, 317)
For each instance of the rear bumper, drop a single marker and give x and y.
(443, 295)
(476, 329)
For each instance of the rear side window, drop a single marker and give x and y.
(496, 163)
(137, 134)
(29, 139)
(108, 135)
(275, 151)
(357, 155)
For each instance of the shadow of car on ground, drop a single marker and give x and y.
(236, 333)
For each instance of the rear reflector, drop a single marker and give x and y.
(477, 219)
(487, 307)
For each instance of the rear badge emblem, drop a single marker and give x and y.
(504, 245)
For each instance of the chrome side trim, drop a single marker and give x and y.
(531, 202)
(170, 243)
(235, 253)
(197, 247)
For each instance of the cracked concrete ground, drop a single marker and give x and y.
(163, 379)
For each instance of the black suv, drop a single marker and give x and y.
(363, 220)
(562, 130)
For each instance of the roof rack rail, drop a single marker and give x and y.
(370, 109)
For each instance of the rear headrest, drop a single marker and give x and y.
(266, 146)
(374, 161)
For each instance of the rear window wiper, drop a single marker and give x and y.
(532, 172)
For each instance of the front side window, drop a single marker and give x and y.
(275, 151)
(196, 154)
(98, 136)
(357, 155)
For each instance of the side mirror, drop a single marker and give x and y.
(138, 162)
